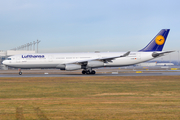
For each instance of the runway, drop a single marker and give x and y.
(55, 73)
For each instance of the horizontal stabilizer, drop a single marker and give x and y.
(157, 54)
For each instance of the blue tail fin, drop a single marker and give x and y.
(157, 43)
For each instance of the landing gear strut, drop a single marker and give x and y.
(20, 73)
(88, 72)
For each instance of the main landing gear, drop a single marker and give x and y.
(88, 72)
(20, 73)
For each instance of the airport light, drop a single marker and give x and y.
(28, 46)
(25, 45)
(22, 47)
(34, 43)
(37, 44)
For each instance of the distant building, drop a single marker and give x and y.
(155, 64)
(147, 64)
(165, 64)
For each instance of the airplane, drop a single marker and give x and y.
(90, 61)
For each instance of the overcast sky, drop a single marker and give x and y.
(88, 25)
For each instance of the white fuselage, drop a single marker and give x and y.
(53, 60)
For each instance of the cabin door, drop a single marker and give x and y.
(50, 58)
(18, 59)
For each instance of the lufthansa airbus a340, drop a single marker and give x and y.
(90, 61)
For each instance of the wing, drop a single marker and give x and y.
(105, 60)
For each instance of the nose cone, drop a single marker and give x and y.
(4, 62)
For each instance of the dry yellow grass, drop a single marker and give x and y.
(90, 98)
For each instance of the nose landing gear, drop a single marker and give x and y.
(88, 72)
(20, 73)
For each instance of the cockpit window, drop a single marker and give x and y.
(8, 59)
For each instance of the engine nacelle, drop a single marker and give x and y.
(72, 67)
(95, 64)
(61, 66)
(69, 67)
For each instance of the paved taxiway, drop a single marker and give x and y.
(80, 75)
(77, 73)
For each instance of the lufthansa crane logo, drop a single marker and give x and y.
(159, 40)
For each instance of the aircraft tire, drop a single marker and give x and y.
(93, 72)
(20, 73)
(83, 72)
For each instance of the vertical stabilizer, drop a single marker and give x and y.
(157, 43)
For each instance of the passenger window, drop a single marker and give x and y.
(9, 58)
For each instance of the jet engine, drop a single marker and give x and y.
(95, 64)
(72, 67)
(69, 67)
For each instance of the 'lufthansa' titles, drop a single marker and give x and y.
(32, 56)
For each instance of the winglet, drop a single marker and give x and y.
(126, 54)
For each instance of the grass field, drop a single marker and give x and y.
(90, 98)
